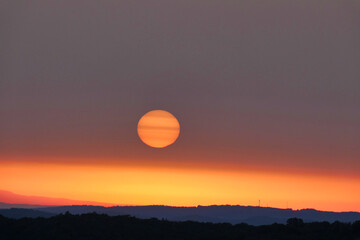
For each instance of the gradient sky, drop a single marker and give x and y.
(267, 94)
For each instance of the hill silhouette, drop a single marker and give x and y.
(18, 213)
(214, 214)
(14, 198)
(101, 226)
(14, 205)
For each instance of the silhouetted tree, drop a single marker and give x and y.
(295, 222)
(101, 226)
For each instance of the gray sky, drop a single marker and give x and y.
(262, 83)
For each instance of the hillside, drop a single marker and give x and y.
(214, 214)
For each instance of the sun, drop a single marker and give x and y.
(158, 128)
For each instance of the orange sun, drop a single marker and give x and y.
(158, 129)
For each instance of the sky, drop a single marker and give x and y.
(267, 94)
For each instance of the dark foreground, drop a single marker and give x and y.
(100, 226)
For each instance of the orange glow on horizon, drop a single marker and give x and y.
(131, 185)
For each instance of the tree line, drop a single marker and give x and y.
(101, 226)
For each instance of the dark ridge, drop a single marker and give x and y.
(214, 214)
(14, 205)
(101, 226)
(24, 213)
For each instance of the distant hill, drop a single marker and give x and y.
(214, 214)
(10, 205)
(13, 198)
(22, 213)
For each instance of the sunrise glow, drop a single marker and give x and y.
(131, 185)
